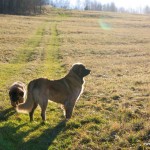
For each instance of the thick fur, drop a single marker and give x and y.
(17, 92)
(65, 91)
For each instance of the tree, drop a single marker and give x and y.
(21, 7)
(113, 8)
(87, 5)
(147, 10)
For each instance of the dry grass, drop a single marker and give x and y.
(113, 112)
(119, 86)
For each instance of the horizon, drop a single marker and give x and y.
(128, 4)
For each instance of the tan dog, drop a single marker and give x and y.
(17, 93)
(65, 91)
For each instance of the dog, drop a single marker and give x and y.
(65, 91)
(17, 92)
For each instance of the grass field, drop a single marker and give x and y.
(113, 112)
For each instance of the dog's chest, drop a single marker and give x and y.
(77, 92)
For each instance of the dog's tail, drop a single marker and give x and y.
(28, 105)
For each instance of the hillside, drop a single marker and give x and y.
(113, 111)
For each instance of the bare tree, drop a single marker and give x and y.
(95, 5)
(147, 10)
(87, 5)
(113, 7)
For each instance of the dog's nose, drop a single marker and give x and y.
(89, 70)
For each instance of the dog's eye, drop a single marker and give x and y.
(83, 68)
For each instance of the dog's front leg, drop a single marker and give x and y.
(69, 109)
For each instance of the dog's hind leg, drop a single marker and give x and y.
(43, 109)
(32, 111)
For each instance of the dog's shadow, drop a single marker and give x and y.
(41, 141)
(46, 138)
(5, 114)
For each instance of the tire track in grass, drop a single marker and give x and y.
(37, 58)
(28, 52)
(45, 63)
(49, 66)
(12, 70)
(24, 66)
(52, 63)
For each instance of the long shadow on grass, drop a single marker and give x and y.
(45, 139)
(12, 138)
(5, 114)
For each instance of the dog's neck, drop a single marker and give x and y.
(71, 74)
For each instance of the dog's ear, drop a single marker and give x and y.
(78, 69)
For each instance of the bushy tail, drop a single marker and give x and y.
(28, 105)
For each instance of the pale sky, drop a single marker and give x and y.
(129, 3)
(122, 3)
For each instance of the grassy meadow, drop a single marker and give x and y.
(113, 113)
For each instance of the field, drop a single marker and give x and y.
(113, 113)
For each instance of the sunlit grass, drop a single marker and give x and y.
(112, 113)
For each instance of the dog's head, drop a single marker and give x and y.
(16, 96)
(80, 70)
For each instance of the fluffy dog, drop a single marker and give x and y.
(17, 92)
(65, 91)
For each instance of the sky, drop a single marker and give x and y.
(123, 3)
(129, 3)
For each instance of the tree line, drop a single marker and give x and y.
(21, 7)
(95, 5)
(25, 7)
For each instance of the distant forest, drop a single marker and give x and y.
(26, 7)
(21, 7)
(95, 5)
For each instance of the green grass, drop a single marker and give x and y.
(113, 111)
(37, 57)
